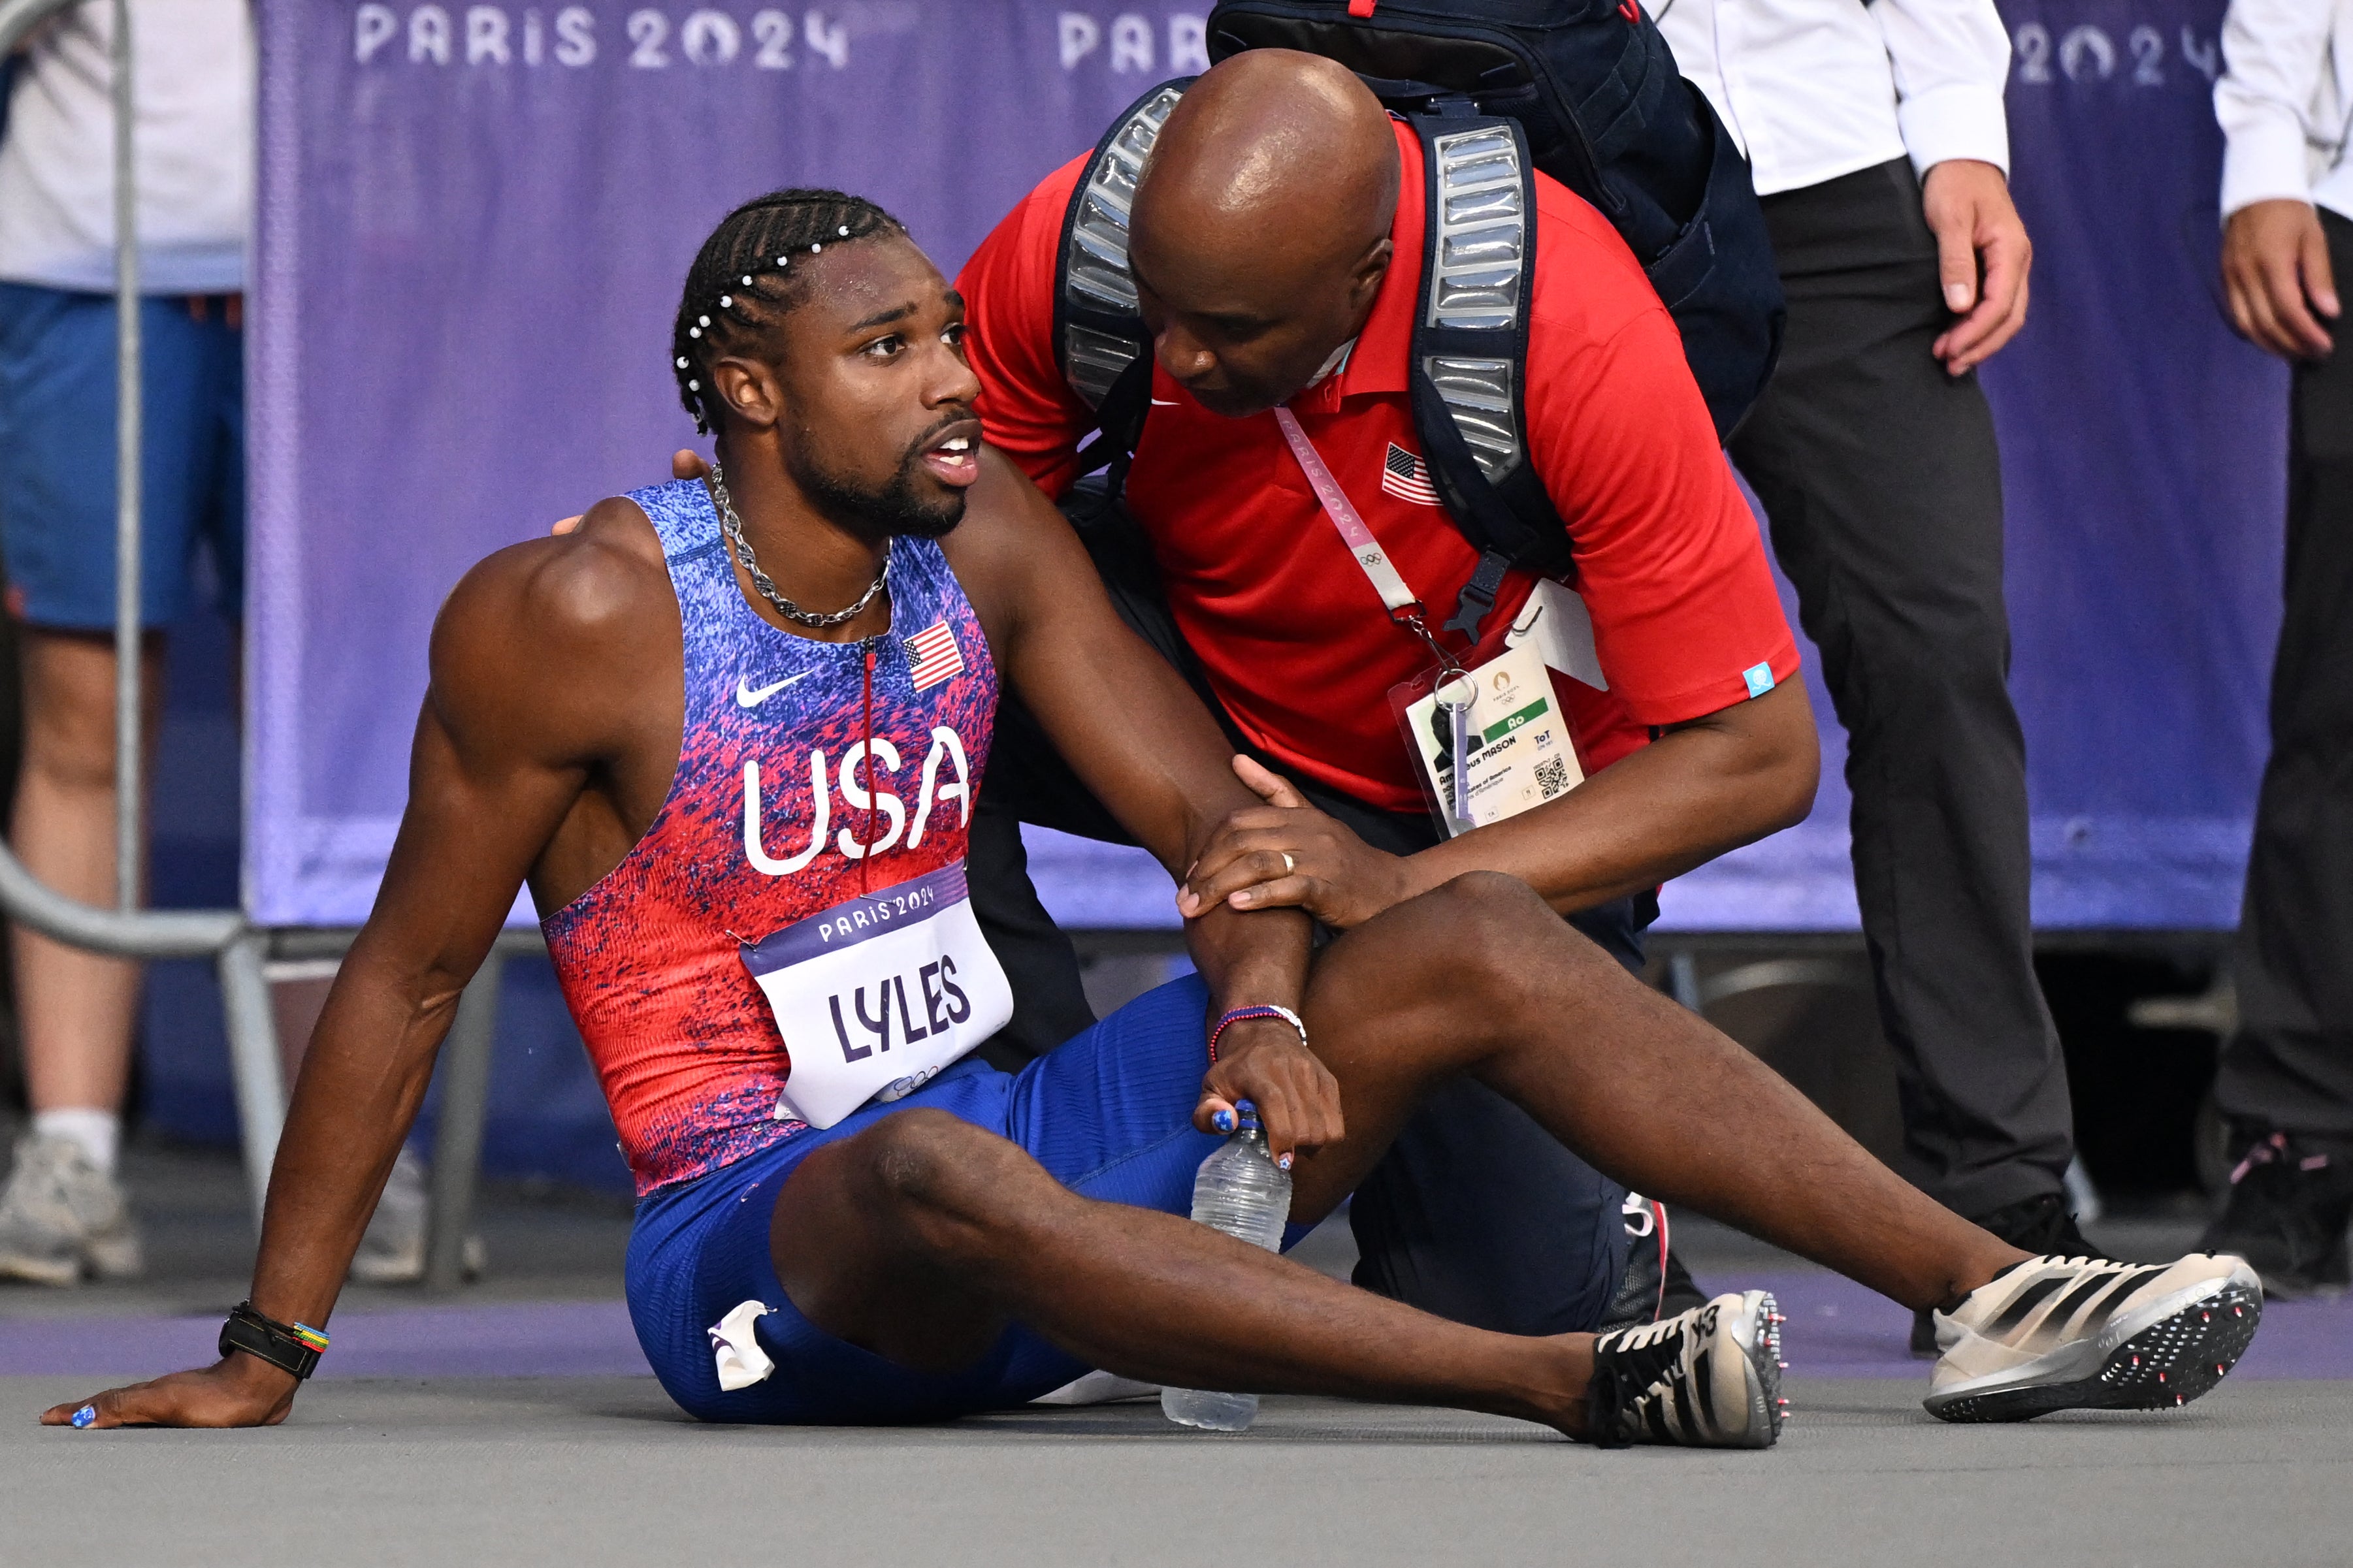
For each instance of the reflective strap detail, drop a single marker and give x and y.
(1478, 394)
(1482, 229)
(1374, 561)
(1094, 263)
(1480, 198)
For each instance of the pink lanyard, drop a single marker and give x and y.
(1374, 561)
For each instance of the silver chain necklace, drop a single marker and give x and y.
(733, 527)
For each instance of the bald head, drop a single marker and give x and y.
(1260, 230)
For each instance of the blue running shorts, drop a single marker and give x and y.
(1110, 1115)
(56, 455)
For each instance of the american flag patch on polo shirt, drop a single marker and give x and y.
(1406, 476)
(936, 656)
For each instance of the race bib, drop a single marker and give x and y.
(876, 995)
(1511, 743)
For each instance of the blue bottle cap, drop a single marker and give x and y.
(1246, 1117)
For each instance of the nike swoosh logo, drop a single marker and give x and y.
(747, 698)
(1164, 403)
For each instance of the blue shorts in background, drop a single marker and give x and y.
(56, 455)
(1109, 1115)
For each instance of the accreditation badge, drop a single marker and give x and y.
(876, 995)
(1490, 741)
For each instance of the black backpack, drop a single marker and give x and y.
(1586, 91)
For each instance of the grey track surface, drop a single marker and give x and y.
(594, 1471)
(588, 1471)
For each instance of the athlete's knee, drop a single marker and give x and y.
(956, 1188)
(1494, 935)
(1488, 911)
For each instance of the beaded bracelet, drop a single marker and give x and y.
(1261, 1010)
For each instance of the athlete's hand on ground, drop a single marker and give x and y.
(686, 463)
(238, 1390)
(1982, 260)
(2276, 275)
(1298, 1100)
(1287, 853)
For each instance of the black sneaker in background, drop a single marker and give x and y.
(2042, 1226)
(1656, 1286)
(2291, 1200)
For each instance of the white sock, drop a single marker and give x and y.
(98, 1132)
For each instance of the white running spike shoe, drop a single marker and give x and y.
(1708, 1378)
(2084, 1334)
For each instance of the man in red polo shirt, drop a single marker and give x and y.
(1276, 245)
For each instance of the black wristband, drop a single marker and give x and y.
(289, 1347)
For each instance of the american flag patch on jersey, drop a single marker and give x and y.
(935, 655)
(1406, 476)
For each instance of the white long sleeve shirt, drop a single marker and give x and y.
(2281, 103)
(192, 73)
(1815, 89)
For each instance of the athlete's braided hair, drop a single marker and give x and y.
(743, 284)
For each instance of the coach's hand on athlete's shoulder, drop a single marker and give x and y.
(1287, 854)
(1982, 258)
(238, 1390)
(686, 463)
(1263, 1061)
(2275, 271)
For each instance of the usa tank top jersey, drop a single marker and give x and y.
(790, 938)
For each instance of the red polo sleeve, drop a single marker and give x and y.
(1027, 410)
(1686, 620)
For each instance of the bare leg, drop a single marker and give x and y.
(1481, 977)
(919, 1238)
(76, 1008)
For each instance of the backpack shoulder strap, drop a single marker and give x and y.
(1469, 357)
(1100, 344)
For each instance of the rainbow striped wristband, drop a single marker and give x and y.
(289, 1347)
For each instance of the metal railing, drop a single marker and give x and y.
(239, 948)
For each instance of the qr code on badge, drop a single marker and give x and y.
(1552, 777)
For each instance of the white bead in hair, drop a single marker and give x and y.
(681, 362)
(815, 247)
(726, 300)
(694, 331)
(695, 386)
(747, 280)
(702, 320)
(844, 231)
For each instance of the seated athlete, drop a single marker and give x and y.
(731, 735)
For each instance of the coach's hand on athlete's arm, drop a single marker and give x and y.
(2277, 278)
(1286, 852)
(494, 771)
(1704, 787)
(1983, 257)
(1138, 737)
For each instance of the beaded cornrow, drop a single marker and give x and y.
(742, 281)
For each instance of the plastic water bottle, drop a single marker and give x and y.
(1240, 1192)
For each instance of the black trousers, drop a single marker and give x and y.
(2290, 1068)
(1883, 488)
(1476, 1213)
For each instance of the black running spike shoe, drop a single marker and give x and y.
(2084, 1334)
(2291, 1201)
(1708, 1378)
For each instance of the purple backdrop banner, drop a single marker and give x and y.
(475, 219)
